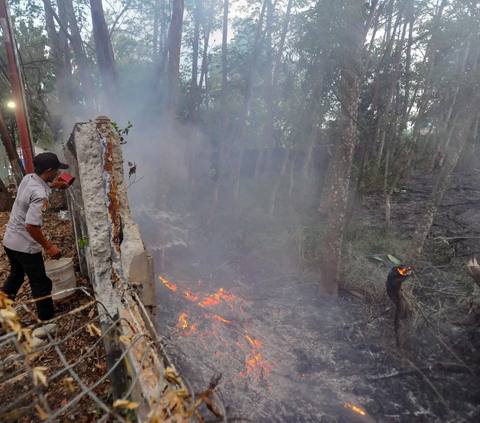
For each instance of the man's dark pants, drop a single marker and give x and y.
(33, 266)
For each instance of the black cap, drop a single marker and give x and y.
(48, 161)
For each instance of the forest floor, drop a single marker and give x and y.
(74, 341)
(244, 304)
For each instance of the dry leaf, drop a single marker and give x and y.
(68, 383)
(39, 376)
(8, 314)
(126, 404)
(5, 302)
(171, 376)
(41, 413)
(64, 402)
(93, 329)
(125, 340)
(91, 314)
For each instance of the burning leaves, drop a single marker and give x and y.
(167, 284)
(356, 409)
(255, 363)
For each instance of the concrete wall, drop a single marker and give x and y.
(112, 254)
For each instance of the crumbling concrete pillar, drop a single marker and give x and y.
(111, 250)
(112, 255)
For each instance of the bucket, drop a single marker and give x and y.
(63, 277)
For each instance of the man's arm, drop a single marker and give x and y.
(37, 234)
(59, 185)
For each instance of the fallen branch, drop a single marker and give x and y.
(439, 365)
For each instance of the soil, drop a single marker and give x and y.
(73, 339)
(286, 355)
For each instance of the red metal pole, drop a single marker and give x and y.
(14, 77)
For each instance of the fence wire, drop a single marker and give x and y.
(65, 376)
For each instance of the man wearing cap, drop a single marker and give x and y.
(23, 240)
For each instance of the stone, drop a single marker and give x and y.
(41, 333)
(37, 342)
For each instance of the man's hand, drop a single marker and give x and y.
(59, 185)
(54, 252)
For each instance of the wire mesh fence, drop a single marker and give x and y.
(61, 374)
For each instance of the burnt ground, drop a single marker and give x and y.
(288, 356)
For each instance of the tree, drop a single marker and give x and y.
(352, 21)
(105, 58)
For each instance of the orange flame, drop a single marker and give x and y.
(404, 271)
(182, 322)
(356, 409)
(255, 363)
(221, 319)
(191, 297)
(216, 298)
(167, 284)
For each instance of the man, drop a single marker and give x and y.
(23, 240)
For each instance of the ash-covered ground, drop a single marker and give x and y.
(286, 355)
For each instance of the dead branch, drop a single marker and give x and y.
(439, 365)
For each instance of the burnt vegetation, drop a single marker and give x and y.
(283, 158)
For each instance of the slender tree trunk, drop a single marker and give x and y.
(81, 60)
(193, 101)
(342, 161)
(174, 48)
(292, 180)
(268, 132)
(106, 59)
(277, 183)
(237, 175)
(54, 42)
(67, 60)
(17, 167)
(156, 30)
(223, 120)
(442, 183)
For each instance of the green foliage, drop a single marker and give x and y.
(122, 132)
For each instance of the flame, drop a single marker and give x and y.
(193, 328)
(356, 409)
(182, 322)
(167, 284)
(404, 271)
(214, 299)
(255, 363)
(221, 319)
(191, 297)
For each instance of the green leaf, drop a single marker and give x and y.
(393, 259)
(378, 259)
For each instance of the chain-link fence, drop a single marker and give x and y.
(61, 374)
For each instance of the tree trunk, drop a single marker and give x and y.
(17, 167)
(59, 70)
(67, 60)
(193, 102)
(223, 120)
(81, 60)
(442, 183)
(174, 49)
(277, 183)
(106, 59)
(253, 64)
(6, 200)
(343, 156)
(237, 175)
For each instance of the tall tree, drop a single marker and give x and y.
(352, 24)
(105, 58)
